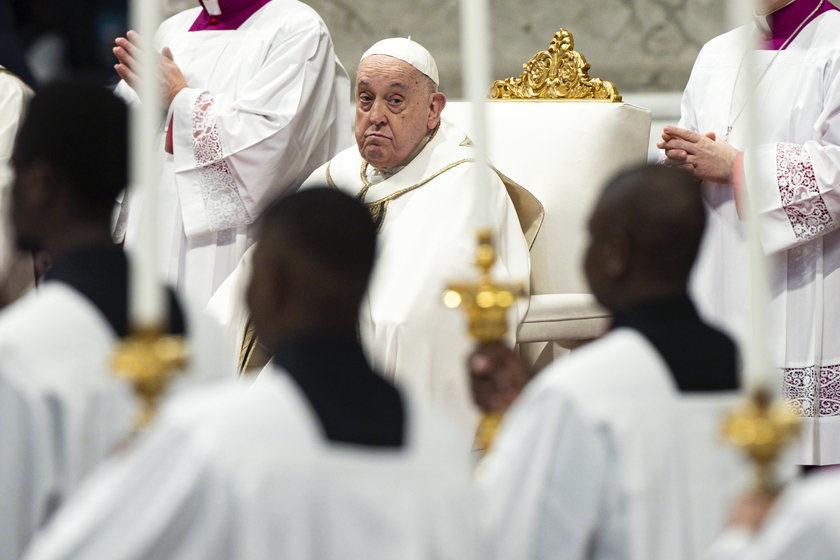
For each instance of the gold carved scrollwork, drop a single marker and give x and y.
(556, 74)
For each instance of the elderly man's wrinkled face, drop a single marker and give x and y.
(395, 108)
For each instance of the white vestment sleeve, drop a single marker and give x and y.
(226, 147)
(796, 197)
(548, 488)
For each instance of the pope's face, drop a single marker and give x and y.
(394, 109)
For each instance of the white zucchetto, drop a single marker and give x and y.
(407, 51)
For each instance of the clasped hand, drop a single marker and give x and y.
(707, 157)
(129, 50)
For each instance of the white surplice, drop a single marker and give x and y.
(601, 457)
(61, 409)
(248, 474)
(427, 240)
(16, 269)
(797, 202)
(804, 525)
(266, 104)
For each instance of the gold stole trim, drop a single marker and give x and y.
(378, 208)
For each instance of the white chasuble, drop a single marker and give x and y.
(601, 457)
(266, 104)
(228, 473)
(427, 238)
(796, 199)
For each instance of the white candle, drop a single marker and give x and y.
(475, 73)
(758, 372)
(147, 303)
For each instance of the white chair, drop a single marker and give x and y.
(563, 150)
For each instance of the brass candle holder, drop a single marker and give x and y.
(761, 428)
(149, 359)
(486, 303)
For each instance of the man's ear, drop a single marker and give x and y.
(437, 102)
(618, 253)
(36, 185)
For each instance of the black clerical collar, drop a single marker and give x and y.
(100, 273)
(353, 403)
(699, 357)
(669, 309)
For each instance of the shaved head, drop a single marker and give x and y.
(312, 265)
(646, 227)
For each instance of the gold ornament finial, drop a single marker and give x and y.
(486, 302)
(149, 359)
(559, 73)
(761, 428)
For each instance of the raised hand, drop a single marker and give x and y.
(129, 51)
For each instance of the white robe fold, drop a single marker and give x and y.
(797, 202)
(266, 104)
(602, 458)
(233, 474)
(427, 239)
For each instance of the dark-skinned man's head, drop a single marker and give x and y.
(645, 232)
(70, 161)
(312, 265)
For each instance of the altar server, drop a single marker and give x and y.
(62, 409)
(320, 459)
(801, 522)
(614, 451)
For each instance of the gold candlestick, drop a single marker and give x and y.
(761, 428)
(149, 359)
(486, 303)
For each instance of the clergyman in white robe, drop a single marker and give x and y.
(426, 240)
(795, 200)
(231, 473)
(266, 103)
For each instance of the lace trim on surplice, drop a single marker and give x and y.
(801, 198)
(807, 396)
(222, 201)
